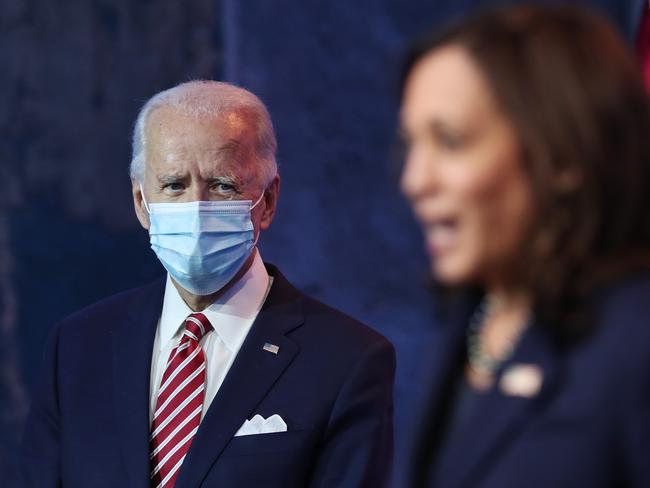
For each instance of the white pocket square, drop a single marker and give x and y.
(260, 425)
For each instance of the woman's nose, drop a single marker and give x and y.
(418, 177)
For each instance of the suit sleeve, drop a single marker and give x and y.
(358, 446)
(39, 456)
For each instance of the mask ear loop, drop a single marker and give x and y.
(252, 207)
(258, 200)
(144, 200)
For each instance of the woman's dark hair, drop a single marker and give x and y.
(575, 96)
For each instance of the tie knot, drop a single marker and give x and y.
(196, 326)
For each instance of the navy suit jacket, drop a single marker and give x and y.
(589, 425)
(331, 382)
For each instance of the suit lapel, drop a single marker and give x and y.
(500, 416)
(251, 376)
(132, 349)
(436, 381)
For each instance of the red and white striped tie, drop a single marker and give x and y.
(179, 404)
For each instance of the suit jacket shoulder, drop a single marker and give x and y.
(116, 306)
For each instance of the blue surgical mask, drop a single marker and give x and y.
(202, 244)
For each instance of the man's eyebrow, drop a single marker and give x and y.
(171, 178)
(231, 180)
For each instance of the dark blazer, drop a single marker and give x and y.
(588, 426)
(331, 382)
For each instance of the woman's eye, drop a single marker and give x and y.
(446, 136)
(449, 140)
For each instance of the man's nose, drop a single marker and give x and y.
(198, 192)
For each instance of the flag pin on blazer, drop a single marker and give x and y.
(272, 348)
(522, 380)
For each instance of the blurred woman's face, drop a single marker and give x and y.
(463, 174)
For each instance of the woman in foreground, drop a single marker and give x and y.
(528, 166)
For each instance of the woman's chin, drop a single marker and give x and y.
(449, 274)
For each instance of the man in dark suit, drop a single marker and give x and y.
(223, 374)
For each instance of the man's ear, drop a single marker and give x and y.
(271, 196)
(138, 204)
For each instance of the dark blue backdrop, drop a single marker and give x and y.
(74, 76)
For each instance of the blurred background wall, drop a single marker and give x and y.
(73, 75)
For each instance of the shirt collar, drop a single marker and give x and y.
(231, 314)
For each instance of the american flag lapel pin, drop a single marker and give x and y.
(272, 348)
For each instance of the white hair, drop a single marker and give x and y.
(204, 98)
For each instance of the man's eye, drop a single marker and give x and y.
(223, 187)
(173, 186)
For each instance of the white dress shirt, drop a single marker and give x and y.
(231, 316)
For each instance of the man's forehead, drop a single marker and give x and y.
(234, 124)
(173, 135)
(237, 121)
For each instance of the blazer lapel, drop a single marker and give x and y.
(501, 415)
(251, 376)
(436, 381)
(132, 350)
